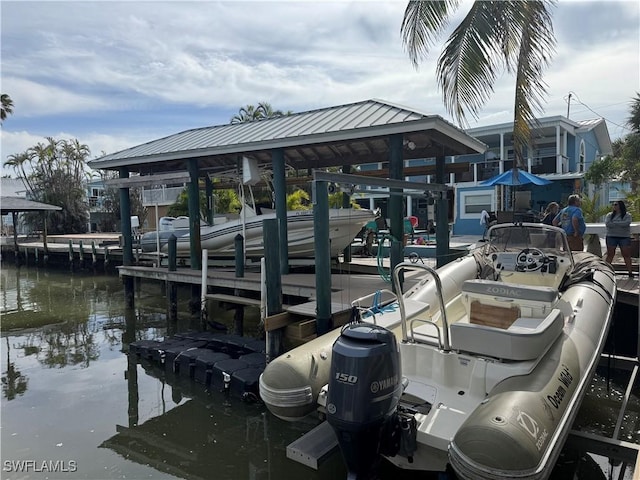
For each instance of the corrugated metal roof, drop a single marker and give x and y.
(316, 138)
(21, 204)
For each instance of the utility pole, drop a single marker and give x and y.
(568, 104)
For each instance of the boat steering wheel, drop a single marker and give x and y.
(530, 260)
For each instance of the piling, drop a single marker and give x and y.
(274, 283)
(71, 255)
(172, 288)
(238, 317)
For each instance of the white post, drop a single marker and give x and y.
(203, 289)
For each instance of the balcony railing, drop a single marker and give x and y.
(160, 196)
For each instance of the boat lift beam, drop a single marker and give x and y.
(409, 188)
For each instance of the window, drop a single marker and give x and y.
(472, 203)
(581, 158)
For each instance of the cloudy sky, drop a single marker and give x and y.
(117, 74)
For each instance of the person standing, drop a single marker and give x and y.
(572, 222)
(550, 213)
(484, 221)
(618, 223)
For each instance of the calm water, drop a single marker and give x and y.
(74, 407)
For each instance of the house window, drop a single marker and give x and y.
(472, 203)
(581, 158)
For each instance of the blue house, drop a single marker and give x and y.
(561, 151)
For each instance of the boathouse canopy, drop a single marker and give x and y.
(21, 204)
(348, 134)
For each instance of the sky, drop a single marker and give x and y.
(118, 74)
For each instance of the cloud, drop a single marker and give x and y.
(116, 74)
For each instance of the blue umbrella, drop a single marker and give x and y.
(515, 176)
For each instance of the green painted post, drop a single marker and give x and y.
(323, 256)
(274, 283)
(239, 251)
(172, 247)
(211, 204)
(442, 217)
(346, 203)
(396, 209)
(194, 216)
(125, 221)
(280, 187)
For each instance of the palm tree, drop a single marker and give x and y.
(512, 35)
(7, 107)
(249, 113)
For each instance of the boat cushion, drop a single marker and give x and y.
(525, 339)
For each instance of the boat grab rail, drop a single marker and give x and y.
(445, 343)
(425, 322)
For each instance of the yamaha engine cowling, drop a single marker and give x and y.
(364, 390)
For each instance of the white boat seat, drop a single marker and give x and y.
(512, 290)
(532, 300)
(526, 339)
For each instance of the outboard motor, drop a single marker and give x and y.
(364, 391)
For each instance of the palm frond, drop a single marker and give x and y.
(537, 45)
(422, 25)
(471, 60)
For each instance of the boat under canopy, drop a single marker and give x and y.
(481, 367)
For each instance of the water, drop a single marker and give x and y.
(74, 407)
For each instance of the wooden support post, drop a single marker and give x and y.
(274, 283)
(238, 317)
(94, 254)
(204, 316)
(81, 248)
(71, 255)
(323, 255)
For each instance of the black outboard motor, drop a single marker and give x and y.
(364, 391)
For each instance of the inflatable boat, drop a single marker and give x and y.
(480, 367)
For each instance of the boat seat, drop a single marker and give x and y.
(525, 339)
(531, 300)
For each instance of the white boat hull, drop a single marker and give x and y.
(219, 240)
(494, 388)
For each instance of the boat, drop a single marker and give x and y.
(479, 367)
(219, 238)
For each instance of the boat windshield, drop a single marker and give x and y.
(510, 237)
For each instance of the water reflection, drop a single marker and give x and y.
(70, 391)
(13, 382)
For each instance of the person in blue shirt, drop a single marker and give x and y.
(572, 222)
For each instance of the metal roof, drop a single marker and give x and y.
(21, 204)
(341, 135)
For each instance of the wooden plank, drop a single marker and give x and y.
(279, 320)
(301, 329)
(223, 297)
(493, 315)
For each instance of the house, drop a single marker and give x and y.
(561, 151)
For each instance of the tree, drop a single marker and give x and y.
(7, 107)
(516, 36)
(56, 175)
(250, 113)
